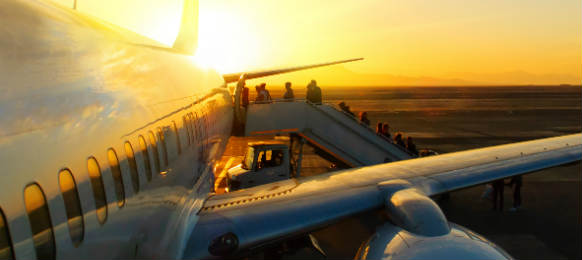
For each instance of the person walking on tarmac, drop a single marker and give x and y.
(498, 188)
(516, 182)
(288, 96)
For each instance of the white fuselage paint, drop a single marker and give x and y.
(73, 88)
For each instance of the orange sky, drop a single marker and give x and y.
(447, 42)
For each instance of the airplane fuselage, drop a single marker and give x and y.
(75, 92)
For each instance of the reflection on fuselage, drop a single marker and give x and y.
(73, 85)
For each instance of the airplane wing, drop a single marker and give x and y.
(234, 77)
(249, 218)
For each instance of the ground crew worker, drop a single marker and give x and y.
(498, 189)
(516, 182)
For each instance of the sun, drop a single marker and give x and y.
(226, 42)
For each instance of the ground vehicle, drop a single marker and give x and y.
(264, 162)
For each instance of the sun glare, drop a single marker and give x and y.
(226, 42)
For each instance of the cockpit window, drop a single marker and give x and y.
(98, 189)
(6, 251)
(249, 158)
(40, 222)
(72, 206)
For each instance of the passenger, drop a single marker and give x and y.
(245, 97)
(386, 131)
(410, 146)
(266, 94)
(398, 140)
(260, 95)
(345, 108)
(364, 118)
(288, 96)
(498, 187)
(516, 182)
(313, 93)
(379, 128)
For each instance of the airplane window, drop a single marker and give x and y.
(186, 120)
(177, 137)
(72, 206)
(132, 166)
(6, 251)
(192, 126)
(162, 139)
(195, 129)
(40, 222)
(98, 189)
(156, 155)
(117, 177)
(146, 157)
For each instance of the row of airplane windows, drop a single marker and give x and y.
(37, 207)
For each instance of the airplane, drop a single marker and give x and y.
(108, 141)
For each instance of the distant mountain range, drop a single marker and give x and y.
(340, 76)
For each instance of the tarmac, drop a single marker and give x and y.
(547, 226)
(549, 223)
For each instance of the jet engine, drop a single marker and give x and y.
(418, 229)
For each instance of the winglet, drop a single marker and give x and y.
(234, 77)
(187, 39)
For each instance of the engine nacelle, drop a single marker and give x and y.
(420, 230)
(416, 213)
(393, 242)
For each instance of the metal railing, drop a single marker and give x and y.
(334, 106)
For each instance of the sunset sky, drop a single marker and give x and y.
(447, 42)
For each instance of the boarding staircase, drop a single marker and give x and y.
(331, 130)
